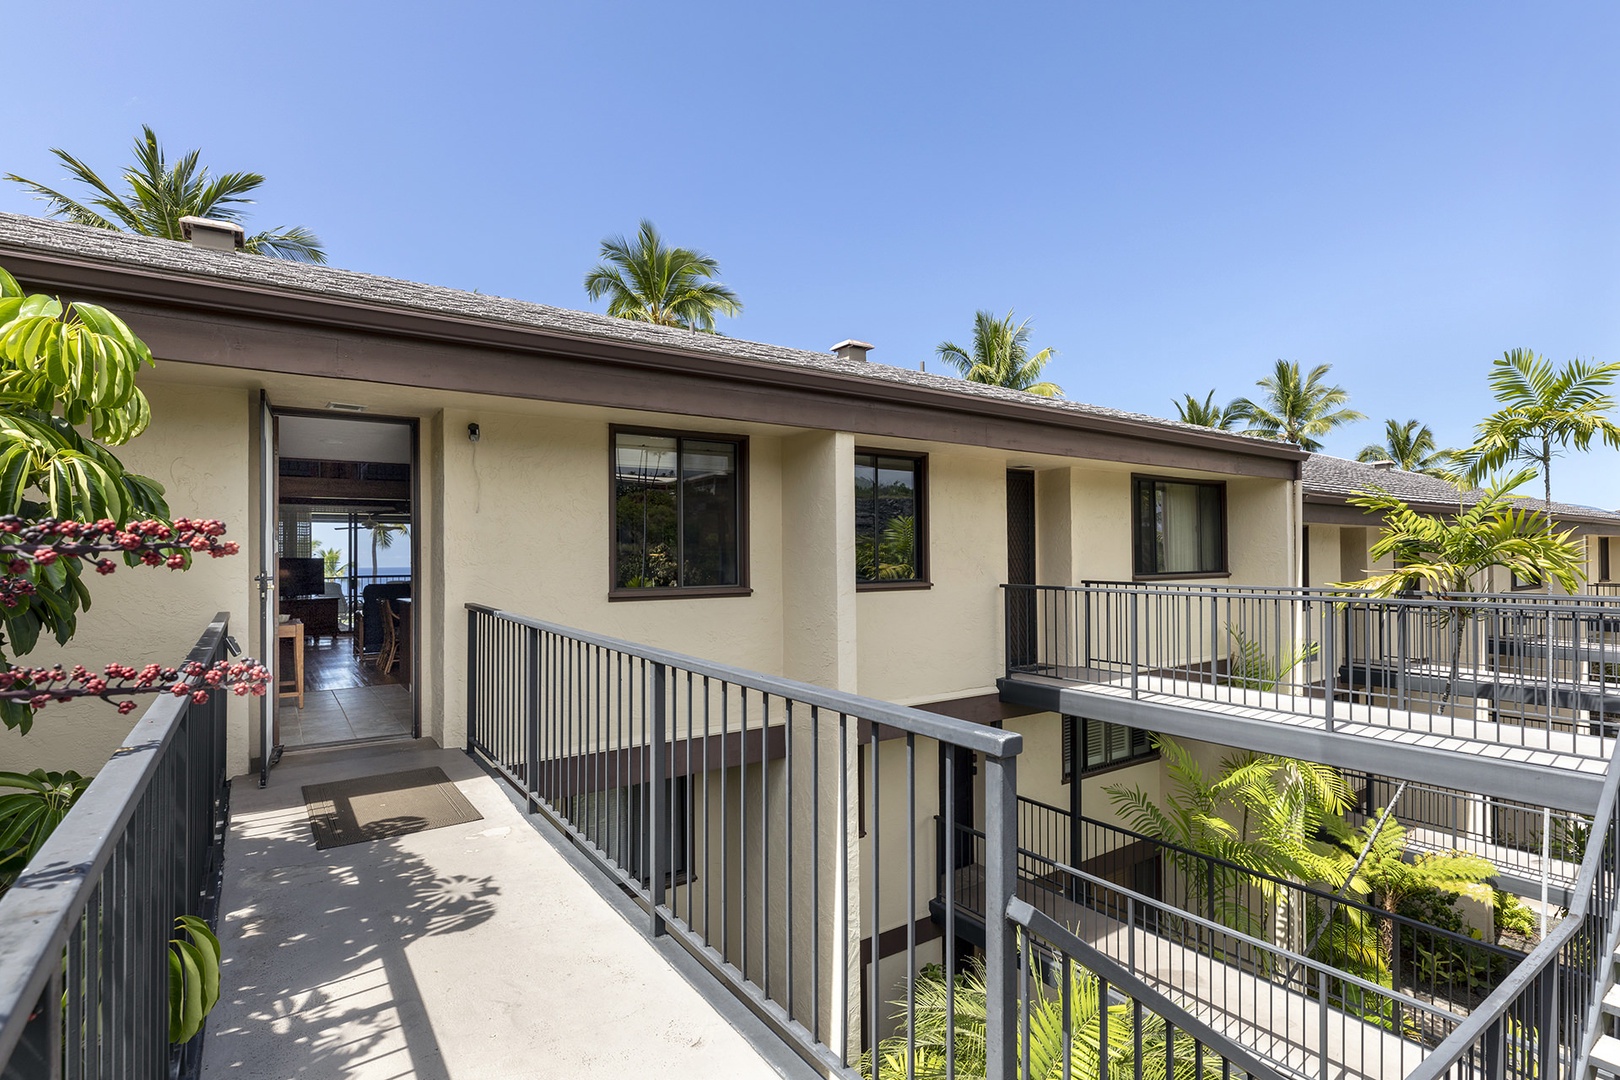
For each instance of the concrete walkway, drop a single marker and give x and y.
(474, 952)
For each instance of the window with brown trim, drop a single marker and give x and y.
(891, 537)
(1107, 746)
(1517, 581)
(678, 513)
(1178, 527)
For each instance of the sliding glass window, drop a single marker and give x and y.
(678, 513)
(1180, 527)
(890, 541)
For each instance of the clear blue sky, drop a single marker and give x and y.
(1178, 194)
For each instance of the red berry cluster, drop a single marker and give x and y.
(152, 543)
(42, 685)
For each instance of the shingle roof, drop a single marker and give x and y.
(1324, 475)
(172, 257)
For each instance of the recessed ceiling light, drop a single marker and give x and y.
(344, 406)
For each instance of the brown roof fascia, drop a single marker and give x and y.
(1323, 508)
(118, 282)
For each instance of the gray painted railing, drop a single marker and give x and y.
(772, 828)
(1541, 1022)
(1439, 967)
(1535, 848)
(1280, 1004)
(84, 930)
(1542, 676)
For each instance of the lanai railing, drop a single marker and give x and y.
(1442, 968)
(1539, 677)
(1307, 1018)
(84, 930)
(730, 805)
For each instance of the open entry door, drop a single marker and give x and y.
(269, 629)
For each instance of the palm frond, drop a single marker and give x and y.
(1000, 356)
(160, 194)
(645, 280)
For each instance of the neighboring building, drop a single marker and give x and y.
(1337, 535)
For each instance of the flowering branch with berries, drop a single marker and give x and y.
(32, 552)
(119, 683)
(26, 545)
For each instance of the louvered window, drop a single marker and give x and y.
(1106, 745)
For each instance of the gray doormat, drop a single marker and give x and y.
(392, 804)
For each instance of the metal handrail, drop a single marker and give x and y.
(1574, 604)
(1596, 599)
(1295, 886)
(1043, 926)
(567, 716)
(1143, 902)
(42, 907)
(976, 737)
(1544, 956)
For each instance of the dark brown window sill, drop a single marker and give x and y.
(1118, 765)
(1202, 576)
(892, 586)
(695, 593)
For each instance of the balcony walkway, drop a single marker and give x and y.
(473, 952)
(1560, 769)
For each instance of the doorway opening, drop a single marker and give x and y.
(346, 576)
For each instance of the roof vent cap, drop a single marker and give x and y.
(1386, 464)
(852, 350)
(211, 234)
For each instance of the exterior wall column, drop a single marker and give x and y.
(818, 646)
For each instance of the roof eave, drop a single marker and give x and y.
(52, 267)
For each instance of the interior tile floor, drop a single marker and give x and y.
(356, 712)
(345, 700)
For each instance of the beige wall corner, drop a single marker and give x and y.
(1056, 552)
(442, 697)
(818, 559)
(197, 448)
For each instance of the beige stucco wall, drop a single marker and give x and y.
(944, 641)
(1322, 542)
(1040, 771)
(1262, 546)
(197, 447)
(526, 518)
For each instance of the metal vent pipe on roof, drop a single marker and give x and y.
(211, 234)
(851, 349)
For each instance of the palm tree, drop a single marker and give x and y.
(1297, 408)
(1056, 1049)
(1448, 555)
(669, 286)
(1000, 356)
(1206, 413)
(161, 194)
(1261, 812)
(382, 536)
(1388, 876)
(1544, 411)
(1411, 447)
(331, 558)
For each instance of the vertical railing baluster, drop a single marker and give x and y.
(1000, 935)
(654, 849)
